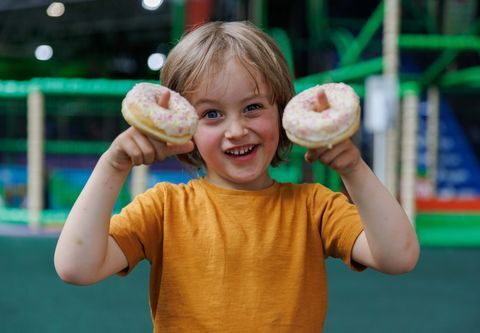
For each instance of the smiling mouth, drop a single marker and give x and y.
(241, 151)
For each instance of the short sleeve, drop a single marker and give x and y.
(137, 229)
(340, 226)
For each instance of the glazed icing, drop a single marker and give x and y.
(302, 121)
(179, 119)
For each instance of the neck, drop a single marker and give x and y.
(257, 184)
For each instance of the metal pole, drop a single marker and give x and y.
(409, 151)
(391, 25)
(379, 149)
(35, 157)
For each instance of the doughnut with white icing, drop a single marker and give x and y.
(337, 119)
(176, 125)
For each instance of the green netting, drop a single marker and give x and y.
(65, 185)
(13, 117)
(79, 126)
(83, 118)
(13, 133)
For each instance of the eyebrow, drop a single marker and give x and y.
(204, 101)
(212, 101)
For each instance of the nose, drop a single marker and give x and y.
(236, 129)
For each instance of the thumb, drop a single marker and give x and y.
(163, 98)
(321, 102)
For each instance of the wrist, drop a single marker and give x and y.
(106, 161)
(356, 170)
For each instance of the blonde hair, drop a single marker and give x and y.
(203, 51)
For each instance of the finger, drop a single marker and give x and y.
(164, 150)
(313, 154)
(328, 156)
(343, 156)
(180, 149)
(146, 147)
(160, 149)
(345, 162)
(133, 152)
(321, 101)
(163, 98)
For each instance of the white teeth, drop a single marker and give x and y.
(240, 151)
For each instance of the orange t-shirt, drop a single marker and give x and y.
(237, 261)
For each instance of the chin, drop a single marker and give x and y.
(255, 179)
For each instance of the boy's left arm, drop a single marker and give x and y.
(388, 243)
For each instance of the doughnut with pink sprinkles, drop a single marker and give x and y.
(312, 128)
(176, 125)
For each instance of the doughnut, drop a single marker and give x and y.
(176, 125)
(314, 121)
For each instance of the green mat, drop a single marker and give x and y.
(34, 299)
(441, 295)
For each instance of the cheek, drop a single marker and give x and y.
(205, 139)
(269, 127)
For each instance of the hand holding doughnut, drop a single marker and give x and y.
(322, 116)
(175, 124)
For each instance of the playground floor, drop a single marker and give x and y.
(441, 295)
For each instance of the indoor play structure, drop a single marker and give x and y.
(414, 63)
(419, 150)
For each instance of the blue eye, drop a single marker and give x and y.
(212, 114)
(253, 107)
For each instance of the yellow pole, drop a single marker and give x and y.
(391, 28)
(409, 152)
(139, 180)
(35, 157)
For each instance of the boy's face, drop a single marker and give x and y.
(238, 132)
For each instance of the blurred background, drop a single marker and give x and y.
(66, 66)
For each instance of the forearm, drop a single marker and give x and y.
(388, 231)
(83, 243)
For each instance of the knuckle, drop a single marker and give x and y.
(161, 153)
(136, 156)
(149, 152)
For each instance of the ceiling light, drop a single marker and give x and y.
(56, 9)
(43, 52)
(156, 61)
(151, 4)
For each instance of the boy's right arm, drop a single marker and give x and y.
(85, 252)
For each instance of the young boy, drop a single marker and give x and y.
(233, 251)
